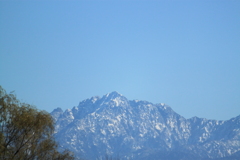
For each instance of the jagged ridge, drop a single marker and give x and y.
(133, 129)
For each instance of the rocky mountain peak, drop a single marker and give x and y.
(134, 129)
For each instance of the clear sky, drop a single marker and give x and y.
(182, 53)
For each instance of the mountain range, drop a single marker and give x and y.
(113, 126)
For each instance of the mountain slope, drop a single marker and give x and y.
(132, 129)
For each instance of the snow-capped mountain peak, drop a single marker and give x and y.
(113, 94)
(134, 129)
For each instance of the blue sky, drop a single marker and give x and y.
(182, 53)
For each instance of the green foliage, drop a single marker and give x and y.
(25, 132)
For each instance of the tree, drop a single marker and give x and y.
(26, 133)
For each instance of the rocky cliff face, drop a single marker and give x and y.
(131, 129)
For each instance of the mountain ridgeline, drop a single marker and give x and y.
(120, 128)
